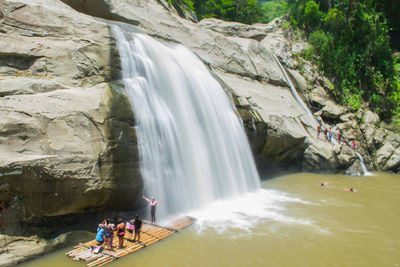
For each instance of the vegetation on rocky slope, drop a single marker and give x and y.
(351, 42)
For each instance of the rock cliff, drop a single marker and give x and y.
(67, 132)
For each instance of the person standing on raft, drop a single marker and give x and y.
(138, 226)
(120, 233)
(153, 204)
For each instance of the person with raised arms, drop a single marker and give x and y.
(153, 204)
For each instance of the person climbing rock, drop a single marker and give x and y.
(353, 144)
(330, 134)
(325, 133)
(318, 130)
(153, 204)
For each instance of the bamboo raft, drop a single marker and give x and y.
(149, 235)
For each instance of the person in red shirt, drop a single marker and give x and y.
(353, 144)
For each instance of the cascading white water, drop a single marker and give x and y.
(293, 89)
(300, 101)
(192, 146)
(364, 169)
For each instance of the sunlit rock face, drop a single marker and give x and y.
(67, 131)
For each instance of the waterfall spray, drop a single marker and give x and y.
(192, 145)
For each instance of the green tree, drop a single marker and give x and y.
(273, 9)
(245, 11)
(312, 16)
(351, 43)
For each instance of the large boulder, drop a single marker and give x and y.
(16, 249)
(388, 155)
(345, 156)
(317, 159)
(298, 80)
(332, 110)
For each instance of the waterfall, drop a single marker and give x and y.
(293, 89)
(192, 146)
(300, 101)
(364, 169)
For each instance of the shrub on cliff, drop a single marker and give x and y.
(351, 44)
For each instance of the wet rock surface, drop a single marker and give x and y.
(67, 131)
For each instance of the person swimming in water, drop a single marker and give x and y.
(153, 204)
(351, 189)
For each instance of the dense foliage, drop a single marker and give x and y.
(351, 44)
(245, 11)
(273, 9)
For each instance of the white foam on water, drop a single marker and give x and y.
(246, 212)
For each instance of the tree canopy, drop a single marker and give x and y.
(351, 42)
(245, 11)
